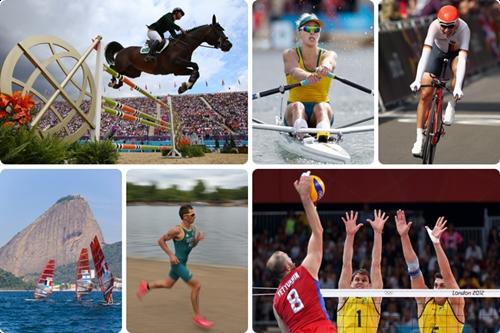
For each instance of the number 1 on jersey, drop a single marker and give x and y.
(295, 301)
(358, 314)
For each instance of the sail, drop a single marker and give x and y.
(45, 282)
(104, 275)
(83, 279)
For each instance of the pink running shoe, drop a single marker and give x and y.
(142, 290)
(202, 322)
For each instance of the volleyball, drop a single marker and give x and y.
(317, 188)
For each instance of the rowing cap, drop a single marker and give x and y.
(308, 17)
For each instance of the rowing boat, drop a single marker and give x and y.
(303, 142)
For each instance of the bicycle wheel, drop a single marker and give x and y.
(429, 149)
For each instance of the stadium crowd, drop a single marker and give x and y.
(475, 265)
(226, 107)
(205, 116)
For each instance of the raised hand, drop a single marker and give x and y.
(401, 224)
(350, 223)
(379, 221)
(303, 185)
(440, 227)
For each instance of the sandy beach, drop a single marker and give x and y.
(156, 158)
(223, 299)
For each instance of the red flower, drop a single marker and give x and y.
(184, 141)
(15, 109)
(4, 101)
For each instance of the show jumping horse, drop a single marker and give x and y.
(175, 59)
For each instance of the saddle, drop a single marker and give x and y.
(145, 48)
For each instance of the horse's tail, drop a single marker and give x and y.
(110, 51)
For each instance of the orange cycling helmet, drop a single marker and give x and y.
(448, 15)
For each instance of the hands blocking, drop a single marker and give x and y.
(403, 227)
(377, 223)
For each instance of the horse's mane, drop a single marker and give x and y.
(198, 27)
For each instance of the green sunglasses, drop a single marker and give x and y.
(310, 29)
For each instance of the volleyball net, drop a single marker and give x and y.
(397, 310)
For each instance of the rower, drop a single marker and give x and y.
(309, 106)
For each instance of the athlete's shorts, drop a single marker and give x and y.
(180, 271)
(324, 326)
(308, 108)
(435, 63)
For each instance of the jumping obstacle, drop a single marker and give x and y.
(130, 110)
(132, 85)
(127, 146)
(174, 153)
(132, 118)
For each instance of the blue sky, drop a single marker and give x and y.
(27, 194)
(77, 22)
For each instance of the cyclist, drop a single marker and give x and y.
(447, 37)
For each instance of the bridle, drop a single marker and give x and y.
(222, 38)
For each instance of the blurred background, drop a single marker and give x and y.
(403, 28)
(469, 199)
(348, 30)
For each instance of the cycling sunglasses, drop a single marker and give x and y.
(449, 25)
(310, 29)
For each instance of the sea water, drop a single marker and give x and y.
(225, 230)
(60, 313)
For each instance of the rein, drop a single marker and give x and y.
(187, 44)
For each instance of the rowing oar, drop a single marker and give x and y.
(356, 122)
(255, 120)
(350, 83)
(282, 89)
(290, 129)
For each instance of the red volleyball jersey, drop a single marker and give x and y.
(298, 300)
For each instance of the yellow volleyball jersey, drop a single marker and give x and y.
(314, 93)
(439, 318)
(358, 314)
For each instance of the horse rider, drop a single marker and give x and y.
(157, 30)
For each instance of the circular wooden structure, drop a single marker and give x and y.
(61, 83)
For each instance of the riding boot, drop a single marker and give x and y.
(151, 57)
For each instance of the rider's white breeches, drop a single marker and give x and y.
(154, 35)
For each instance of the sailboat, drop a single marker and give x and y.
(104, 275)
(45, 282)
(83, 279)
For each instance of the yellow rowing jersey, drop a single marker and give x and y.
(314, 93)
(437, 318)
(358, 314)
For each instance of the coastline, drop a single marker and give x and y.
(223, 298)
(233, 203)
